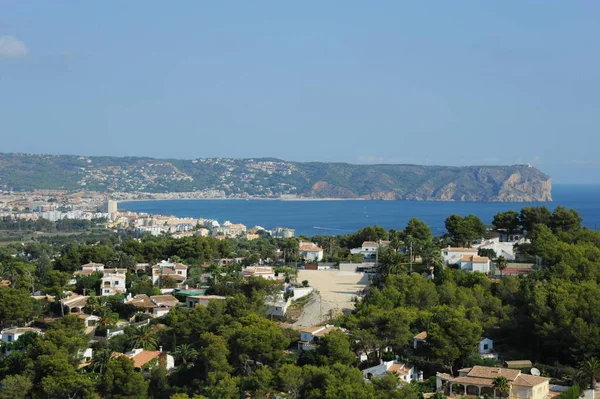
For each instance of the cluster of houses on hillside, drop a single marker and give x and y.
(187, 227)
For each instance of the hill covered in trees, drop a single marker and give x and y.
(273, 178)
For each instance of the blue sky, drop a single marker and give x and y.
(486, 82)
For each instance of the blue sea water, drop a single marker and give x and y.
(342, 217)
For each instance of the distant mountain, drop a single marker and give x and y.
(274, 178)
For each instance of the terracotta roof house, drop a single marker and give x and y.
(479, 380)
(75, 302)
(176, 271)
(165, 300)
(310, 251)
(147, 359)
(419, 338)
(474, 263)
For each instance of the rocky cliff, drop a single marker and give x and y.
(274, 178)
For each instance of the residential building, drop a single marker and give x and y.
(479, 380)
(174, 270)
(74, 302)
(256, 271)
(310, 336)
(485, 346)
(229, 229)
(89, 320)
(453, 255)
(90, 268)
(406, 373)
(10, 335)
(113, 283)
(204, 300)
(474, 263)
(110, 207)
(143, 359)
(505, 249)
(420, 338)
(203, 232)
(310, 251)
(276, 305)
(283, 232)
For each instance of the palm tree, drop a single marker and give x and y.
(143, 337)
(107, 318)
(501, 264)
(100, 360)
(501, 385)
(186, 353)
(590, 368)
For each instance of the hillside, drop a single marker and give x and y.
(273, 178)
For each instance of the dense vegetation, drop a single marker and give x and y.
(272, 178)
(230, 348)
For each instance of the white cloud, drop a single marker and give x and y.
(11, 47)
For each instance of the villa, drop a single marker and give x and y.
(479, 380)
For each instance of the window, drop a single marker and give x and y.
(485, 347)
(9, 337)
(179, 272)
(116, 283)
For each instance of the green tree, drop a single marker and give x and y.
(121, 381)
(464, 230)
(507, 221)
(186, 354)
(142, 337)
(531, 216)
(290, 380)
(335, 348)
(16, 306)
(100, 360)
(15, 387)
(222, 387)
(565, 220)
(213, 354)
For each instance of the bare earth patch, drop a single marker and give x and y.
(336, 291)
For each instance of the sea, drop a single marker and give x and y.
(335, 217)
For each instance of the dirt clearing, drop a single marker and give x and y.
(336, 291)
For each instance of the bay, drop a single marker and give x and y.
(333, 217)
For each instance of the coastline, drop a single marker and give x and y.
(241, 199)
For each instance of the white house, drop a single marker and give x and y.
(204, 300)
(309, 336)
(505, 249)
(474, 263)
(277, 306)
(90, 268)
(453, 255)
(89, 320)
(229, 229)
(113, 283)
(485, 346)
(406, 373)
(282, 232)
(255, 271)
(176, 271)
(10, 335)
(310, 252)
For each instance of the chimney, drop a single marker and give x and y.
(160, 349)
